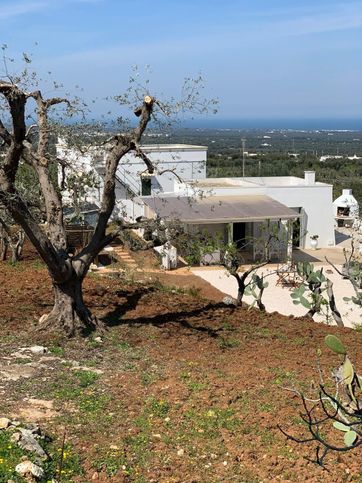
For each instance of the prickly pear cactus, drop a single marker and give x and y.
(310, 292)
(333, 343)
(256, 288)
(346, 377)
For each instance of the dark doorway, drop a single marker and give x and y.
(296, 228)
(296, 233)
(239, 233)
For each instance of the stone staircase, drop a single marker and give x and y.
(123, 255)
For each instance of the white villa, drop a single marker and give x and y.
(238, 208)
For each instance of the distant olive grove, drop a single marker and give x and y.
(274, 151)
(342, 173)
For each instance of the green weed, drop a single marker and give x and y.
(267, 407)
(86, 378)
(159, 407)
(281, 376)
(111, 462)
(57, 351)
(228, 343)
(122, 346)
(93, 403)
(208, 423)
(300, 341)
(37, 264)
(63, 465)
(11, 454)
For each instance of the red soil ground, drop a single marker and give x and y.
(191, 390)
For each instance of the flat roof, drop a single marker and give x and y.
(222, 183)
(219, 209)
(173, 147)
(253, 182)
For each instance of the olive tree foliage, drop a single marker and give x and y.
(12, 236)
(28, 118)
(77, 184)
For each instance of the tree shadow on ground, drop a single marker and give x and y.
(132, 299)
(116, 317)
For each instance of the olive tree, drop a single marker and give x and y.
(30, 144)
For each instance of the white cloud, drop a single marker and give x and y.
(327, 23)
(334, 17)
(15, 9)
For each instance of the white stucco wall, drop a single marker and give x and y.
(188, 162)
(315, 200)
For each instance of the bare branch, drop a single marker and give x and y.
(144, 112)
(141, 154)
(122, 146)
(348, 276)
(172, 171)
(332, 303)
(31, 128)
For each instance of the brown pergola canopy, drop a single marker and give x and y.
(218, 209)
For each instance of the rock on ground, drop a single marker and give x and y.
(4, 423)
(27, 468)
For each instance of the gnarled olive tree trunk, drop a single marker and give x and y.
(243, 284)
(4, 245)
(69, 314)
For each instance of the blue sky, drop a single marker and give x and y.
(261, 58)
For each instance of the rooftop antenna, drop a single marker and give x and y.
(243, 153)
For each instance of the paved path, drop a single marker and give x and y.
(277, 298)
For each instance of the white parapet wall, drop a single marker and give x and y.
(310, 199)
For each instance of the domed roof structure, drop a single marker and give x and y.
(345, 208)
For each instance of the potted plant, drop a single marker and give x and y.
(314, 241)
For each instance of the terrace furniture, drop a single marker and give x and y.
(287, 276)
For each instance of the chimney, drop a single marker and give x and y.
(309, 178)
(346, 192)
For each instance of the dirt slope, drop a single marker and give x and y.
(181, 388)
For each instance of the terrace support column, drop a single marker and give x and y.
(288, 231)
(230, 230)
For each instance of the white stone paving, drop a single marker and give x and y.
(277, 298)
